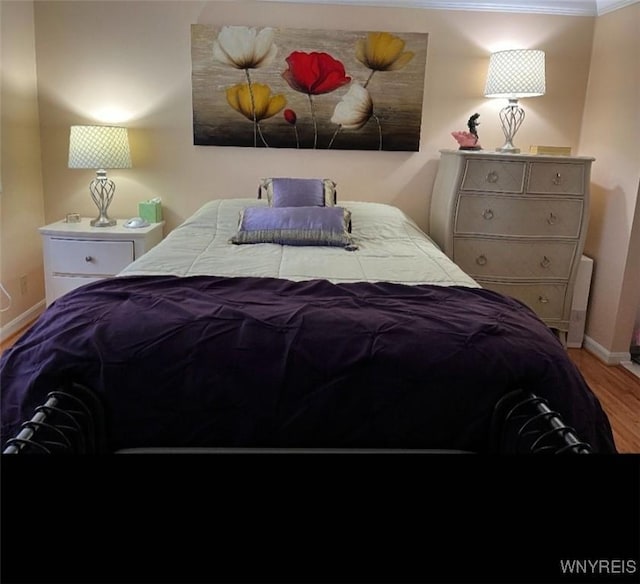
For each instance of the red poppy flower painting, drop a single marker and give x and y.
(314, 73)
(266, 87)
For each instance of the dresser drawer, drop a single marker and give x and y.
(493, 176)
(514, 259)
(88, 257)
(523, 216)
(546, 300)
(563, 178)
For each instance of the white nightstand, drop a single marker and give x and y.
(76, 253)
(516, 223)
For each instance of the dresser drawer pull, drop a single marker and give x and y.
(557, 179)
(488, 214)
(552, 219)
(481, 260)
(545, 263)
(492, 177)
(88, 259)
(543, 300)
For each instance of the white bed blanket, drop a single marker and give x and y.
(391, 248)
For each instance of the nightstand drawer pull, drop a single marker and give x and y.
(543, 300)
(493, 177)
(88, 259)
(481, 260)
(557, 179)
(545, 263)
(488, 214)
(552, 219)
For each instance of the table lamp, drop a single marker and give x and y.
(514, 74)
(100, 147)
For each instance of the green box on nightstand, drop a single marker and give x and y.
(150, 210)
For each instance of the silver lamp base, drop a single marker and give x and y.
(511, 118)
(102, 190)
(508, 148)
(102, 221)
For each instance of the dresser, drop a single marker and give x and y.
(516, 223)
(76, 253)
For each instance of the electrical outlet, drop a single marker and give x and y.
(23, 285)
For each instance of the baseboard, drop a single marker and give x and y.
(603, 354)
(22, 320)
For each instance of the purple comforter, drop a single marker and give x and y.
(213, 361)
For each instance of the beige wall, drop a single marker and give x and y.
(129, 62)
(21, 201)
(135, 57)
(610, 133)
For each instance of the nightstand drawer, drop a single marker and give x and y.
(562, 178)
(87, 257)
(523, 216)
(494, 176)
(60, 285)
(515, 259)
(547, 300)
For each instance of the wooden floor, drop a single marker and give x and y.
(617, 389)
(619, 393)
(4, 345)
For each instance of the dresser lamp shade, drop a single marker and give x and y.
(99, 148)
(512, 75)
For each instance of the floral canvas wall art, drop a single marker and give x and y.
(299, 88)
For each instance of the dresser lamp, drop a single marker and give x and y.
(100, 147)
(514, 74)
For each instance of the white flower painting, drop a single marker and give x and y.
(297, 88)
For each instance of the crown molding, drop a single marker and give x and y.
(605, 6)
(562, 7)
(566, 7)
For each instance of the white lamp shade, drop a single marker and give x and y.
(516, 73)
(99, 147)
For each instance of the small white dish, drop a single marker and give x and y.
(136, 222)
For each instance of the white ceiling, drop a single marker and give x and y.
(568, 7)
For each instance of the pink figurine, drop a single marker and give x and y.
(469, 140)
(466, 140)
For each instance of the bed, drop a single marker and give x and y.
(380, 343)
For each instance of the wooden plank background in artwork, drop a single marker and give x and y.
(397, 95)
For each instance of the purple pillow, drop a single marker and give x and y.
(328, 226)
(299, 192)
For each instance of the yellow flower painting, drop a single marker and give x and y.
(267, 87)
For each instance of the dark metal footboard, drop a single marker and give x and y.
(523, 423)
(71, 421)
